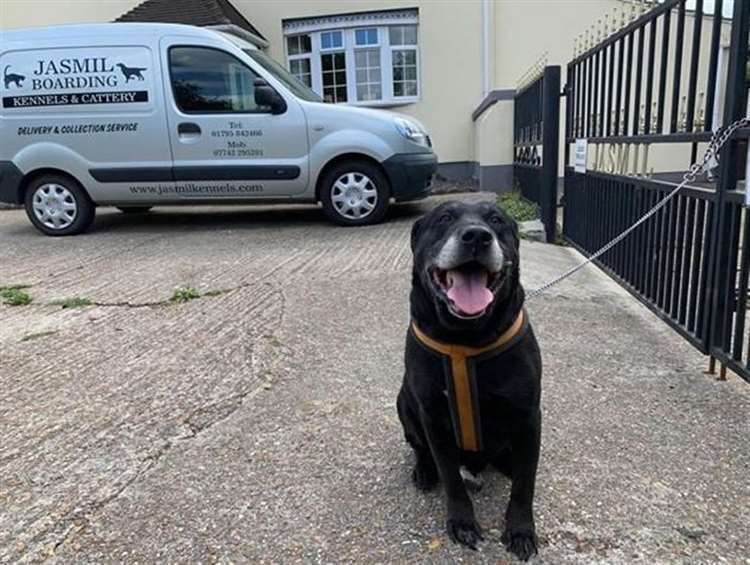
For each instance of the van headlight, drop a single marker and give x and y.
(412, 131)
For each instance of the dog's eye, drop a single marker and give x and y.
(445, 219)
(495, 220)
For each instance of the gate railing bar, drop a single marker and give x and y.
(618, 102)
(650, 75)
(694, 59)
(666, 29)
(628, 83)
(610, 82)
(713, 64)
(679, 40)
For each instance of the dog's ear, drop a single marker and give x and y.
(416, 230)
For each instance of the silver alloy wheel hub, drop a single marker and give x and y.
(354, 196)
(54, 206)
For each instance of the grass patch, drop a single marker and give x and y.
(76, 302)
(513, 204)
(38, 335)
(184, 294)
(212, 293)
(14, 287)
(14, 295)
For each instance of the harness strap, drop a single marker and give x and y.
(462, 385)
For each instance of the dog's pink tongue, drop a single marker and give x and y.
(469, 291)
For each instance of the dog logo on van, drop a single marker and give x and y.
(12, 78)
(131, 72)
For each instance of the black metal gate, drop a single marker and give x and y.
(536, 133)
(652, 88)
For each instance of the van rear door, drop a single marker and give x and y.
(224, 145)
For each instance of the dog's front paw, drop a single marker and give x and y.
(424, 477)
(522, 544)
(465, 531)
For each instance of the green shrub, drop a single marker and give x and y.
(517, 207)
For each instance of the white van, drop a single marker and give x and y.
(137, 115)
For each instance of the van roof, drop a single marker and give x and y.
(121, 29)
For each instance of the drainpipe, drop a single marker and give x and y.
(486, 27)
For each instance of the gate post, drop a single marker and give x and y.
(722, 282)
(550, 150)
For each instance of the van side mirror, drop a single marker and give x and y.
(268, 97)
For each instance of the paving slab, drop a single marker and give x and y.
(259, 423)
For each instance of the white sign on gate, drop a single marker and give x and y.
(580, 156)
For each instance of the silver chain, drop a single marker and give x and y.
(718, 139)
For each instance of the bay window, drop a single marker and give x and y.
(371, 58)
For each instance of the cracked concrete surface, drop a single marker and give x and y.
(260, 424)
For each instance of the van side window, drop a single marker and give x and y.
(211, 81)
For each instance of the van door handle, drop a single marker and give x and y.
(188, 129)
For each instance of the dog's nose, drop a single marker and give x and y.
(477, 236)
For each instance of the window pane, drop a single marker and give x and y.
(405, 72)
(396, 35)
(298, 44)
(367, 36)
(331, 39)
(300, 68)
(209, 80)
(403, 35)
(368, 75)
(410, 35)
(334, 77)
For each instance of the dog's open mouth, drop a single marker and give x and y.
(469, 289)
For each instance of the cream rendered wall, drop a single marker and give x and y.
(31, 13)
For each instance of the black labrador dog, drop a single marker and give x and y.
(472, 386)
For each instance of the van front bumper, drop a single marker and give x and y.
(10, 181)
(410, 175)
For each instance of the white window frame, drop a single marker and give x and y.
(407, 47)
(348, 26)
(298, 56)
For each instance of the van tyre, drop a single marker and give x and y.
(355, 193)
(57, 205)
(134, 209)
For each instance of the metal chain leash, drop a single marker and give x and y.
(710, 159)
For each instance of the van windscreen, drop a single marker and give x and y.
(298, 88)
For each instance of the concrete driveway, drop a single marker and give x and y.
(258, 423)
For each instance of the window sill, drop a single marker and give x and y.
(386, 103)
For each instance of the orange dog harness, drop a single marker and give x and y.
(460, 370)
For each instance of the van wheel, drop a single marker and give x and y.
(58, 205)
(355, 193)
(134, 209)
